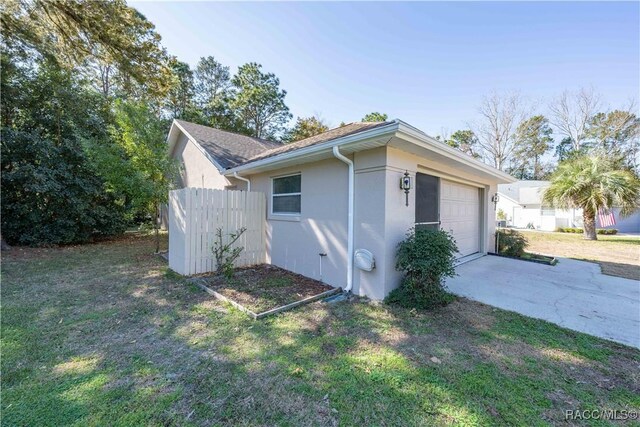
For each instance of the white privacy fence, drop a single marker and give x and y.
(196, 213)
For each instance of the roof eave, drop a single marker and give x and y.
(313, 150)
(416, 136)
(396, 127)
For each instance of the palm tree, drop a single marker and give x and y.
(593, 183)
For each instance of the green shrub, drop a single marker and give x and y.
(50, 193)
(607, 231)
(569, 230)
(426, 257)
(580, 230)
(511, 242)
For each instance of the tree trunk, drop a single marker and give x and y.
(157, 228)
(589, 223)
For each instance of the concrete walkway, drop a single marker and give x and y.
(573, 294)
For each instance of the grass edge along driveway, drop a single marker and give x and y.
(105, 334)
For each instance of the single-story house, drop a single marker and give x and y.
(521, 203)
(340, 191)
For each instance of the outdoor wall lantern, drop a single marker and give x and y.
(495, 199)
(405, 184)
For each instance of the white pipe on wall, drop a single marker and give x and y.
(235, 174)
(339, 156)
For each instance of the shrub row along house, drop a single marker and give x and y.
(346, 190)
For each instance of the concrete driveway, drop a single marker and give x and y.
(573, 294)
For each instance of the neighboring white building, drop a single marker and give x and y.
(340, 191)
(521, 202)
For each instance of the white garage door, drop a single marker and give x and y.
(460, 214)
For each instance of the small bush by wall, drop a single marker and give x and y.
(579, 230)
(511, 243)
(426, 257)
(607, 231)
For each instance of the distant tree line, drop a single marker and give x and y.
(84, 88)
(88, 94)
(593, 166)
(249, 102)
(512, 138)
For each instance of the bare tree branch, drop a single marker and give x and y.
(501, 114)
(571, 113)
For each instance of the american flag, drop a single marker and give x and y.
(606, 218)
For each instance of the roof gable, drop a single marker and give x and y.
(232, 153)
(227, 149)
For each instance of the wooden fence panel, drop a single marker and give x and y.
(196, 213)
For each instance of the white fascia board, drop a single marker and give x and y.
(194, 142)
(315, 149)
(418, 137)
(404, 130)
(171, 138)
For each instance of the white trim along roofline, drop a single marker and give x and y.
(396, 126)
(421, 138)
(316, 148)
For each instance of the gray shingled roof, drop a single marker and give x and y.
(231, 149)
(350, 129)
(227, 148)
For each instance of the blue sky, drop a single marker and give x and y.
(428, 64)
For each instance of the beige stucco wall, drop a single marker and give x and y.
(294, 243)
(381, 216)
(402, 161)
(371, 189)
(393, 218)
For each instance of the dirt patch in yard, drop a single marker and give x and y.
(617, 255)
(265, 287)
(628, 271)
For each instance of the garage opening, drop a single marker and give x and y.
(451, 206)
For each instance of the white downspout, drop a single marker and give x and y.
(338, 155)
(235, 174)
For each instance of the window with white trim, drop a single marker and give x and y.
(286, 195)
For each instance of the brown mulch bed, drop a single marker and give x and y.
(265, 287)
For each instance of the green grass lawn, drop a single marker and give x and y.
(103, 334)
